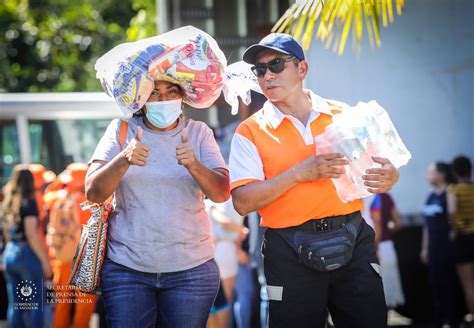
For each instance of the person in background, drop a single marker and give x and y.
(461, 212)
(38, 171)
(245, 288)
(25, 261)
(387, 220)
(73, 180)
(219, 314)
(227, 230)
(437, 250)
(41, 179)
(73, 308)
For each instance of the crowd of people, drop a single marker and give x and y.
(165, 266)
(446, 245)
(41, 228)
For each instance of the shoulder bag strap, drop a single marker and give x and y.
(123, 132)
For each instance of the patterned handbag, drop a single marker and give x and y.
(89, 257)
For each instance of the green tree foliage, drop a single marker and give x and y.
(52, 45)
(143, 25)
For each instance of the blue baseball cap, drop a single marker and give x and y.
(280, 42)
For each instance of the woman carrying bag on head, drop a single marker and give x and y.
(159, 268)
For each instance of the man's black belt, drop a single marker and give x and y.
(328, 223)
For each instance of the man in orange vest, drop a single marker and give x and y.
(318, 251)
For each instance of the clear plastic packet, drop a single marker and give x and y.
(239, 82)
(360, 133)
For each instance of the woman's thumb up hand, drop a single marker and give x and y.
(137, 152)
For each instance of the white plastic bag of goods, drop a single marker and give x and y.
(360, 133)
(185, 56)
(239, 82)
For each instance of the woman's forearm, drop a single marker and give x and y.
(397, 218)
(452, 208)
(104, 177)
(213, 183)
(376, 216)
(424, 239)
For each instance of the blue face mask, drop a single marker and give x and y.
(163, 113)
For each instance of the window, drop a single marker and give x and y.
(9, 149)
(54, 143)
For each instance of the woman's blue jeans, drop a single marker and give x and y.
(23, 268)
(177, 299)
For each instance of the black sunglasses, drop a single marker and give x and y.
(275, 66)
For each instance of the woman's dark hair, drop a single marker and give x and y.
(462, 166)
(18, 191)
(139, 113)
(446, 170)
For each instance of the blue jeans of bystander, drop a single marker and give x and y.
(24, 277)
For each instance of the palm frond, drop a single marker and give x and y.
(334, 19)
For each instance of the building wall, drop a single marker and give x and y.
(423, 75)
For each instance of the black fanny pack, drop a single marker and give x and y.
(325, 245)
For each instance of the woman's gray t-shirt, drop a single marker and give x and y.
(159, 223)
